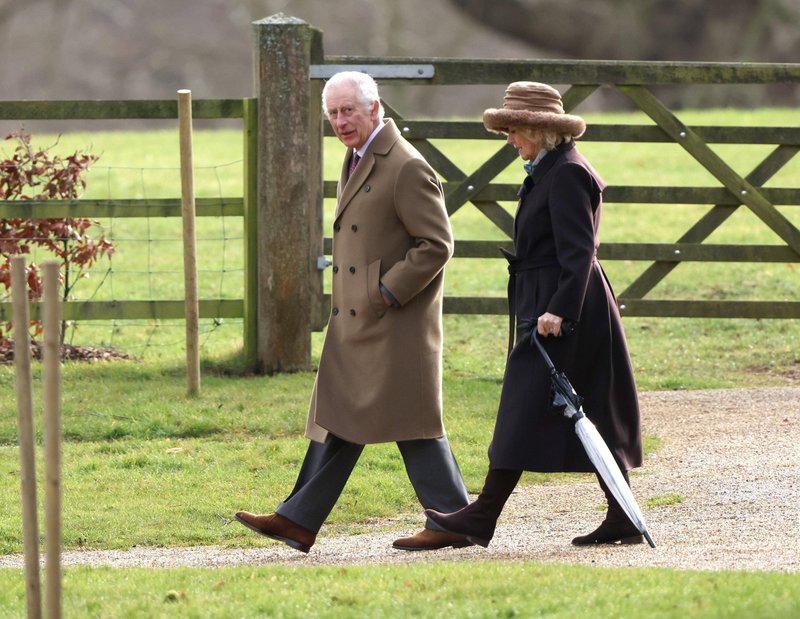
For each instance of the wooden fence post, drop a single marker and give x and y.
(52, 437)
(191, 301)
(250, 205)
(289, 192)
(27, 434)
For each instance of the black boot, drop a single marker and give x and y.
(616, 527)
(477, 520)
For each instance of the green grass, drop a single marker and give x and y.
(474, 589)
(667, 499)
(138, 451)
(146, 465)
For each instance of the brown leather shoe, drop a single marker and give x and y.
(279, 528)
(428, 539)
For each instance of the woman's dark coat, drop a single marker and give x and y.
(555, 270)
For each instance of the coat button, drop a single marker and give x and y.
(335, 311)
(335, 269)
(336, 227)
(354, 228)
(367, 188)
(352, 269)
(352, 312)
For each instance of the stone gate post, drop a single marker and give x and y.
(289, 192)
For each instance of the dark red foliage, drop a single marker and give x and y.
(33, 174)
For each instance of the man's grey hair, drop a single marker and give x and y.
(366, 88)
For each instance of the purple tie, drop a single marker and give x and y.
(353, 163)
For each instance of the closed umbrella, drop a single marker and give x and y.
(567, 402)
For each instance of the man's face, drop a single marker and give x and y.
(351, 121)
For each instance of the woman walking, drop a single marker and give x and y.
(556, 285)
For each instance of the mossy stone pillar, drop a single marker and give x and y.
(289, 192)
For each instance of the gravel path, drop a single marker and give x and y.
(733, 455)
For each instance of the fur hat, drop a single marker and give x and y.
(532, 104)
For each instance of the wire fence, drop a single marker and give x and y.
(147, 263)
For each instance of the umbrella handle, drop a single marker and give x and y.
(535, 338)
(567, 328)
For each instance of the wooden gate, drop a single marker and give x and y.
(634, 80)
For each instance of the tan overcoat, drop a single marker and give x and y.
(379, 375)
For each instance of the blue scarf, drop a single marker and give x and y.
(530, 166)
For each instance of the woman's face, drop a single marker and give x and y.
(526, 147)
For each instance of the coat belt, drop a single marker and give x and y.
(515, 266)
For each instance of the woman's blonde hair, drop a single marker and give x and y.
(548, 138)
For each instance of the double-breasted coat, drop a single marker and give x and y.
(379, 376)
(555, 269)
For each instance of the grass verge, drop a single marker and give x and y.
(476, 589)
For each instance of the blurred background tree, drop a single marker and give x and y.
(701, 30)
(116, 49)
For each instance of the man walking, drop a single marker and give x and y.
(379, 377)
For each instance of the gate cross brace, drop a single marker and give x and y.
(451, 172)
(747, 193)
(707, 224)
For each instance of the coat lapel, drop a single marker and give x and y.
(380, 145)
(549, 160)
